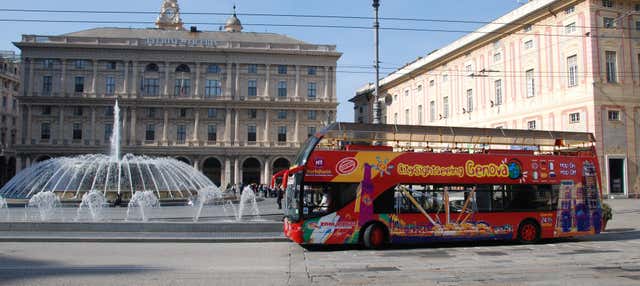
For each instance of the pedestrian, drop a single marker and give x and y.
(280, 195)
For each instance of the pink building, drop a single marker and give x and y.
(549, 65)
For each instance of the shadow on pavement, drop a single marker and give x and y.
(12, 268)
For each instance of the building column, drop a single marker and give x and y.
(267, 172)
(267, 122)
(28, 129)
(196, 164)
(227, 91)
(236, 139)
(237, 80)
(165, 127)
(93, 125)
(61, 124)
(296, 132)
(226, 179)
(18, 163)
(134, 84)
(196, 93)
(63, 80)
(95, 78)
(326, 83)
(195, 125)
(227, 126)
(236, 171)
(28, 163)
(30, 82)
(166, 79)
(297, 92)
(125, 84)
(266, 82)
(132, 136)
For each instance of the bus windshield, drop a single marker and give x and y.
(307, 148)
(292, 196)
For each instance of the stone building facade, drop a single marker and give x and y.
(9, 89)
(235, 105)
(549, 65)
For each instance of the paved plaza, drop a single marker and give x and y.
(612, 258)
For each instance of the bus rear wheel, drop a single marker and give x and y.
(375, 236)
(528, 232)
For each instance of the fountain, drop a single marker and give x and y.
(142, 202)
(248, 197)
(93, 181)
(4, 208)
(46, 203)
(94, 203)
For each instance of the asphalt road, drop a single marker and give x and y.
(612, 258)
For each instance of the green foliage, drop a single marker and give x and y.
(607, 212)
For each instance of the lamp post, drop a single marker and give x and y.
(376, 97)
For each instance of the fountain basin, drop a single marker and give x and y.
(185, 227)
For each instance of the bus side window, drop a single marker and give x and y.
(498, 199)
(384, 203)
(483, 198)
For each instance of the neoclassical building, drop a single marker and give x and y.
(235, 105)
(564, 65)
(9, 88)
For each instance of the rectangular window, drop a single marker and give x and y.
(80, 64)
(445, 107)
(527, 28)
(570, 10)
(47, 64)
(607, 3)
(77, 111)
(406, 93)
(252, 88)
(531, 125)
(150, 133)
(498, 88)
(182, 87)
(613, 115)
(212, 133)
(311, 90)
(608, 22)
(110, 87)
(574, 117)
(212, 113)
(637, 25)
(282, 134)
(419, 89)
(395, 118)
(151, 112)
(419, 114)
(468, 69)
(572, 69)
(111, 65)
(311, 131)
(45, 131)
(282, 69)
(79, 84)
(151, 87)
(282, 88)
(181, 134)
(108, 129)
(311, 115)
(213, 88)
(46, 85)
(213, 68)
(445, 77)
(407, 116)
(311, 71)
(46, 110)
(251, 133)
(253, 113)
(469, 100)
(77, 131)
(182, 112)
(530, 83)
(432, 82)
(571, 28)
(108, 111)
(282, 114)
(528, 44)
(252, 68)
(497, 57)
(432, 111)
(610, 58)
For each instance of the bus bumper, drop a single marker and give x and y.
(293, 231)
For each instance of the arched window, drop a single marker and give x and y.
(183, 68)
(152, 68)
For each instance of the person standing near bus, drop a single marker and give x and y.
(280, 195)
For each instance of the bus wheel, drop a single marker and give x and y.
(528, 232)
(375, 236)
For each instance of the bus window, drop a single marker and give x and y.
(531, 197)
(483, 198)
(324, 198)
(458, 195)
(384, 203)
(497, 200)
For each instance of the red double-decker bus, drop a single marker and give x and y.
(380, 184)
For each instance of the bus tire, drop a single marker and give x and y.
(375, 236)
(529, 231)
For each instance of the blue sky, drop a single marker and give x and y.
(396, 47)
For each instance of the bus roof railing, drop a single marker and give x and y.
(359, 132)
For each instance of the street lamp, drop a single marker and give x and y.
(376, 103)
